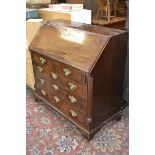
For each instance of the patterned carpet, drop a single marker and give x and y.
(48, 133)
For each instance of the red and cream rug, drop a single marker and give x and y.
(49, 133)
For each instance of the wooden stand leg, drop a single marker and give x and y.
(98, 14)
(115, 7)
(109, 14)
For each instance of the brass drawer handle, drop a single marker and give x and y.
(43, 92)
(54, 75)
(72, 86)
(56, 99)
(73, 113)
(55, 87)
(40, 69)
(66, 71)
(42, 60)
(72, 99)
(42, 81)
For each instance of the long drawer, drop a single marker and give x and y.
(71, 85)
(74, 114)
(46, 87)
(55, 100)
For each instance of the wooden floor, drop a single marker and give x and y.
(115, 22)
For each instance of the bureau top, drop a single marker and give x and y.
(75, 44)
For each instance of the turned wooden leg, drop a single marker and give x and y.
(98, 14)
(115, 7)
(109, 12)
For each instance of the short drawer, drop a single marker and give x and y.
(43, 63)
(71, 85)
(71, 72)
(64, 69)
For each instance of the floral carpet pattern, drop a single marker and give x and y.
(49, 133)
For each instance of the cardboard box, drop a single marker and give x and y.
(83, 16)
(31, 13)
(32, 27)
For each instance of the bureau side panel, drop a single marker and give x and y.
(108, 80)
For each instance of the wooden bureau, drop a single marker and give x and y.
(79, 71)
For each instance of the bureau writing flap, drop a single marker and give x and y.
(76, 44)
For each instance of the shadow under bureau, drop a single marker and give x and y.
(79, 71)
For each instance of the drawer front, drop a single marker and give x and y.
(75, 111)
(69, 97)
(71, 85)
(71, 73)
(43, 82)
(65, 70)
(74, 114)
(42, 87)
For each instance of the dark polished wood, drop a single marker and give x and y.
(61, 79)
(72, 45)
(52, 87)
(75, 74)
(92, 59)
(115, 22)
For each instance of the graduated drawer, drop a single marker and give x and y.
(71, 85)
(42, 87)
(71, 98)
(56, 100)
(73, 113)
(52, 87)
(65, 70)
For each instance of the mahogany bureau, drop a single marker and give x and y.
(79, 71)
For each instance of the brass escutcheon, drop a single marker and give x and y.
(42, 81)
(66, 71)
(42, 60)
(73, 113)
(40, 69)
(56, 99)
(72, 99)
(72, 86)
(54, 75)
(55, 87)
(43, 92)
